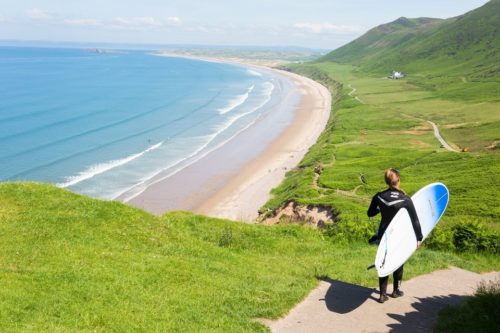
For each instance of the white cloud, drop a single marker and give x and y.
(135, 22)
(39, 14)
(83, 22)
(174, 20)
(131, 23)
(322, 28)
(200, 28)
(143, 22)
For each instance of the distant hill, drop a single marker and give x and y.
(467, 45)
(381, 39)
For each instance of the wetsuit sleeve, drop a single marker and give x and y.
(414, 219)
(373, 209)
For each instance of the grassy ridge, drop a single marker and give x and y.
(455, 59)
(377, 41)
(466, 45)
(381, 123)
(71, 263)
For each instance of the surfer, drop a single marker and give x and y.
(388, 203)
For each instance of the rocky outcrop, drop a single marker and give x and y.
(291, 212)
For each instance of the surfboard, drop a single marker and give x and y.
(399, 241)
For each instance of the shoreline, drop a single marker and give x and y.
(244, 195)
(237, 191)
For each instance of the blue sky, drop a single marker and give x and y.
(324, 24)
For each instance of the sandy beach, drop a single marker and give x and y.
(235, 180)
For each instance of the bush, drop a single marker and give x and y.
(441, 239)
(472, 237)
(465, 237)
(351, 228)
(226, 238)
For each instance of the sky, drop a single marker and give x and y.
(320, 24)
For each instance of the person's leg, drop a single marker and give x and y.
(382, 282)
(398, 278)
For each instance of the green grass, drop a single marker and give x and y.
(71, 263)
(389, 128)
(442, 53)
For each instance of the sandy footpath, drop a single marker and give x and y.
(220, 185)
(241, 198)
(336, 306)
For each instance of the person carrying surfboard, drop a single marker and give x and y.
(388, 203)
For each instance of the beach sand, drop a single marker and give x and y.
(235, 180)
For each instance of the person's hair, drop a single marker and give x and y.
(392, 178)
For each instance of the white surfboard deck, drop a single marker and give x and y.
(399, 241)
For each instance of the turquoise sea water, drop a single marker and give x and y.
(105, 123)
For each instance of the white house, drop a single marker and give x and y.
(397, 75)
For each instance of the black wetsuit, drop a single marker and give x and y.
(388, 203)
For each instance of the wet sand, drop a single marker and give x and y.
(235, 180)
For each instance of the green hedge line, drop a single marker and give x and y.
(471, 237)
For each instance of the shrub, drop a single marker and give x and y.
(351, 228)
(469, 236)
(472, 236)
(226, 239)
(441, 239)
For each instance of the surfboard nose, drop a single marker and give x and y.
(441, 197)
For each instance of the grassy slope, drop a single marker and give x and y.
(377, 41)
(467, 44)
(70, 263)
(453, 81)
(389, 129)
(456, 58)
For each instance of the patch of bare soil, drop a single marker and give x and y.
(291, 212)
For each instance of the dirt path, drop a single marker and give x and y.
(336, 306)
(440, 138)
(436, 133)
(352, 92)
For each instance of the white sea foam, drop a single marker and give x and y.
(140, 187)
(100, 168)
(254, 73)
(269, 87)
(235, 102)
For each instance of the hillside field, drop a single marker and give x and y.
(379, 123)
(71, 263)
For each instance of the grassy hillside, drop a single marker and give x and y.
(380, 123)
(458, 58)
(379, 40)
(70, 263)
(453, 81)
(468, 44)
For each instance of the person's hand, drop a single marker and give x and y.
(418, 244)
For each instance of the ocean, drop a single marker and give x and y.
(108, 123)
